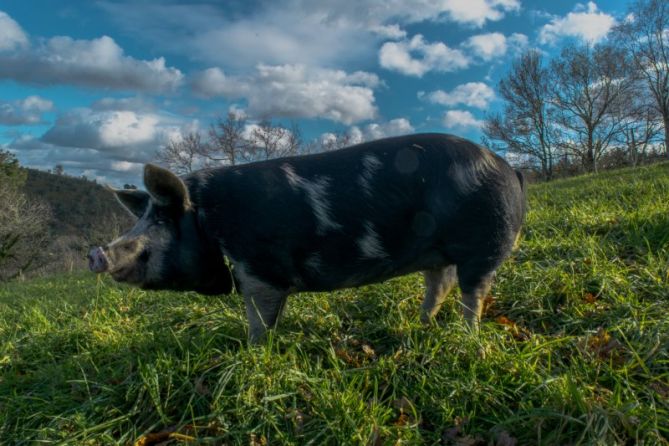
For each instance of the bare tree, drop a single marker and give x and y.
(23, 224)
(525, 125)
(645, 34)
(591, 85)
(227, 143)
(231, 141)
(640, 124)
(335, 141)
(267, 141)
(182, 154)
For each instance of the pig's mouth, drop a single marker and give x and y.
(100, 262)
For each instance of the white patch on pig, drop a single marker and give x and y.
(371, 164)
(293, 179)
(316, 192)
(370, 244)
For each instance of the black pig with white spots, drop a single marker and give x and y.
(430, 202)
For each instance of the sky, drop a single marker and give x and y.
(99, 86)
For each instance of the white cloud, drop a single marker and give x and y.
(296, 91)
(417, 57)
(24, 112)
(477, 12)
(467, 12)
(110, 144)
(115, 134)
(315, 32)
(374, 130)
(487, 46)
(11, 34)
(393, 32)
(472, 94)
(98, 63)
(493, 45)
(586, 23)
(132, 103)
(460, 119)
(394, 127)
(213, 82)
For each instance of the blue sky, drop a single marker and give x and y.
(99, 86)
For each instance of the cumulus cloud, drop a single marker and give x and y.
(321, 32)
(461, 120)
(11, 34)
(416, 57)
(98, 63)
(586, 23)
(296, 91)
(108, 144)
(394, 127)
(491, 45)
(25, 111)
(477, 12)
(467, 12)
(393, 32)
(132, 103)
(374, 130)
(471, 94)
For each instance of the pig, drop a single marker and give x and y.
(434, 203)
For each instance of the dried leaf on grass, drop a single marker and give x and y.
(160, 437)
(355, 352)
(407, 412)
(257, 440)
(455, 435)
(183, 435)
(602, 345)
(590, 298)
(298, 418)
(519, 333)
(488, 304)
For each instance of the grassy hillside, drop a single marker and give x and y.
(574, 348)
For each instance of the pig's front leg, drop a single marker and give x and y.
(263, 308)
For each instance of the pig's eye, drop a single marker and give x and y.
(160, 222)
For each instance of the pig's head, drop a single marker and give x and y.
(167, 248)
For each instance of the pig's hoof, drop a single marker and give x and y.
(427, 319)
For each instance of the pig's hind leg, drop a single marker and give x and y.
(475, 281)
(438, 283)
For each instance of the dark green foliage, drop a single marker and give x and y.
(11, 175)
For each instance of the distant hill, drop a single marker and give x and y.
(84, 214)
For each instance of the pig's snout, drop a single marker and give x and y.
(97, 260)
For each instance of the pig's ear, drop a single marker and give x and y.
(166, 188)
(133, 200)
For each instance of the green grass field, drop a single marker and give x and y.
(574, 348)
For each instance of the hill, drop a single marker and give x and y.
(84, 213)
(572, 350)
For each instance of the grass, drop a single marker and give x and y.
(574, 349)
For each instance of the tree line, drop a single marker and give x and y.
(235, 140)
(594, 105)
